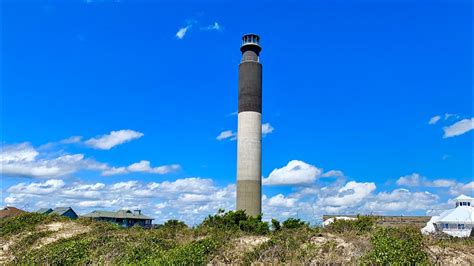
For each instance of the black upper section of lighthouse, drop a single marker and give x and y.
(250, 75)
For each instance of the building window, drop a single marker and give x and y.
(460, 226)
(445, 226)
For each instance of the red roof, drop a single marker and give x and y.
(10, 212)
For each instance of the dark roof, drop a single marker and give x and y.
(122, 214)
(44, 210)
(10, 212)
(61, 210)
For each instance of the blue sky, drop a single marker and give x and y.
(113, 104)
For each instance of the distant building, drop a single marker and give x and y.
(125, 218)
(62, 211)
(455, 222)
(44, 211)
(382, 220)
(10, 212)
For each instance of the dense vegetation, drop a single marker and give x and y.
(227, 237)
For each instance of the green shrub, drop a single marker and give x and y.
(236, 220)
(397, 246)
(254, 225)
(26, 222)
(292, 223)
(71, 251)
(362, 224)
(276, 225)
(289, 246)
(174, 224)
(194, 253)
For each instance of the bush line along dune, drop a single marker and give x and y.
(227, 237)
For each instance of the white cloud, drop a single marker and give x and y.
(215, 26)
(142, 166)
(458, 128)
(461, 188)
(23, 160)
(448, 116)
(114, 138)
(189, 24)
(416, 180)
(411, 180)
(47, 187)
(349, 195)
(22, 152)
(294, 173)
(401, 200)
(228, 134)
(189, 199)
(71, 140)
(267, 129)
(333, 173)
(182, 32)
(281, 201)
(434, 120)
(442, 183)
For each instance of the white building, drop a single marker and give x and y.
(455, 222)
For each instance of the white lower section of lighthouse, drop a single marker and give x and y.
(249, 161)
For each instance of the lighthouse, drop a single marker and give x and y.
(249, 134)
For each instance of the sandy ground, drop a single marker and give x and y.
(60, 230)
(451, 256)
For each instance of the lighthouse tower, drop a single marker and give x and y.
(249, 134)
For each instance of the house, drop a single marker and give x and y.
(458, 221)
(44, 211)
(10, 212)
(62, 211)
(124, 218)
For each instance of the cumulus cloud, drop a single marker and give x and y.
(350, 195)
(47, 187)
(417, 180)
(461, 188)
(281, 201)
(458, 128)
(189, 199)
(414, 179)
(114, 138)
(401, 200)
(434, 120)
(142, 166)
(227, 134)
(24, 160)
(294, 173)
(267, 129)
(333, 173)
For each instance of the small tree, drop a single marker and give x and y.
(276, 225)
(293, 223)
